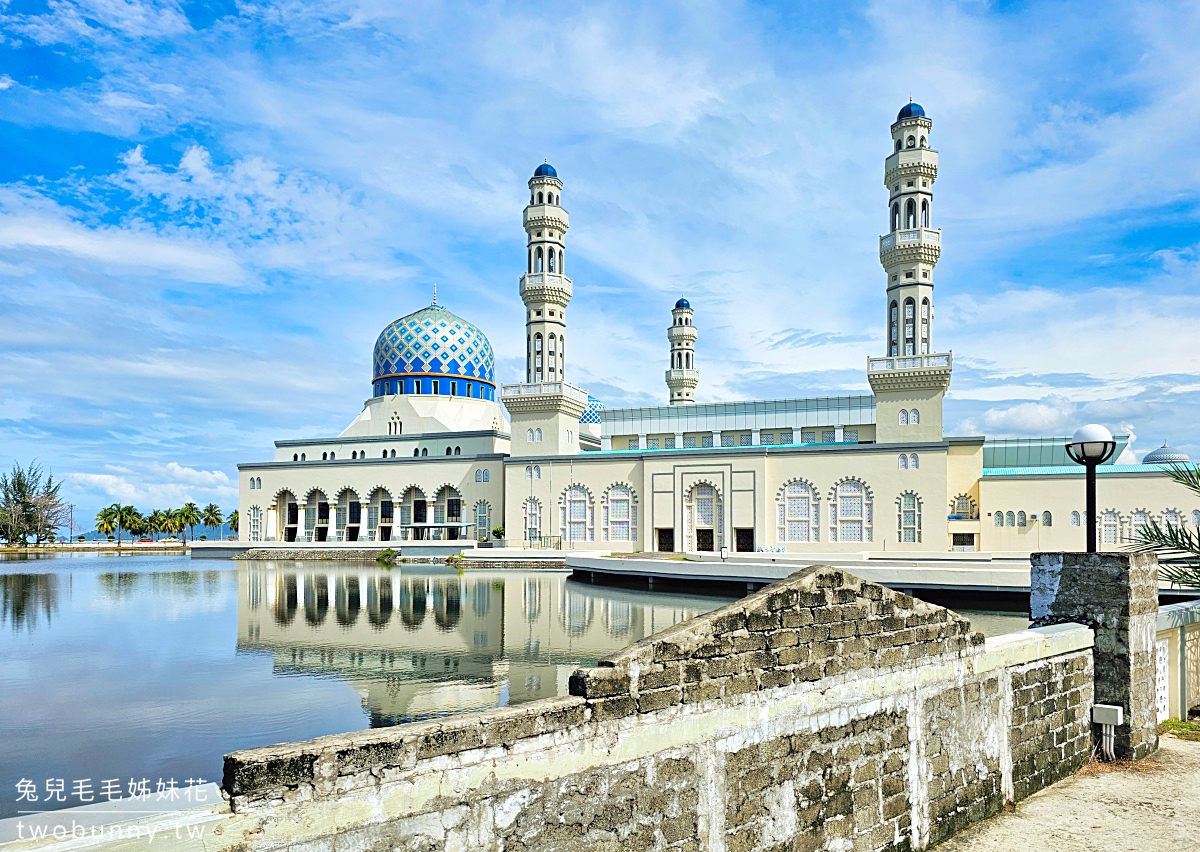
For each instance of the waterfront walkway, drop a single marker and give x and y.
(1147, 806)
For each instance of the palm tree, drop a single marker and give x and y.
(211, 517)
(232, 520)
(1178, 546)
(171, 522)
(106, 520)
(189, 516)
(155, 522)
(133, 521)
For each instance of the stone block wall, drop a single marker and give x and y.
(822, 712)
(1115, 594)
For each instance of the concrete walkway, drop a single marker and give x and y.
(1150, 806)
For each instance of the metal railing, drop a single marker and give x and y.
(911, 235)
(909, 362)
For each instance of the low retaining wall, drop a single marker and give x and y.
(821, 712)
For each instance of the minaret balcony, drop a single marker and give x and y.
(545, 287)
(681, 333)
(545, 216)
(682, 378)
(912, 245)
(910, 371)
(910, 162)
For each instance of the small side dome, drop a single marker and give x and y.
(911, 110)
(1165, 455)
(547, 170)
(591, 414)
(683, 303)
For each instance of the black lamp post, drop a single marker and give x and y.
(1090, 446)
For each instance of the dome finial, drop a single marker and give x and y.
(435, 292)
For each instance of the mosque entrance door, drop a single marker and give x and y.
(666, 540)
(743, 539)
(704, 540)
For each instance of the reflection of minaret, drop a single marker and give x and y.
(682, 375)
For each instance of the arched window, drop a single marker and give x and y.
(531, 512)
(850, 512)
(529, 471)
(689, 360)
(393, 453)
(1141, 520)
(424, 451)
(923, 143)
(1010, 520)
(255, 523)
(537, 471)
(562, 269)
(483, 526)
(449, 451)
(910, 309)
(914, 417)
(913, 461)
(925, 213)
(703, 519)
(798, 513)
(303, 457)
(539, 198)
(529, 435)
(487, 476)
(896, 214)
(537, 435)
(416, 452)
(577, 515)
(903, 462)
(538, 259)
(910, 214)
(910, 142)
(897, 144)
(1047, 519)
(530, 253)
(1074, 519)
(1021, 521)
(908, 518)
(458, 451)
(295, 457)
(1196, 517)
(998, 519)
(620, 514)
(903, 417)
(324, 456)
(552, 264)
(333, 456)
(1109, 526)
(478, 475)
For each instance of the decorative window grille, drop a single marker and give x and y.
(669, 443)
(785, 437)
(1141, 520)
(798, 514)
(619, 517)
(577, 515)
(914, 417)
(1171, 518)
(652, 443)
(482, 526)
(255, 523)
(902, 462)
(310, 522)
(531, 511)
(850, 512)
(372, 522)
(689, 442)
(999, 519)
(1109, 526)
(726, 440)
(808, 436)
(766, 438)
(487, 476)
(479, 476)
(1074, 519)
(406, 514)
(633, 443)
(745, 440)
(340, 513)
(1196, 517)
(849, 435)
(909, 518)
(914, 461)
(903, 417)
(706, 440)
(1047, 519)
(1010, 519)
(828, 436)
(1021, 521)
(439, 513)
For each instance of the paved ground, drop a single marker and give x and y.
(1150, 806)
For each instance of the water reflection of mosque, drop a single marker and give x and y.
(416, 646)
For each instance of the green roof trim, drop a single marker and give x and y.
(1073, 470)
(1036, 452)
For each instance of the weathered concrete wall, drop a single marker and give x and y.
(1117, 596)
(822, 712)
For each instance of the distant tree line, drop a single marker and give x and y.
(30, 505)
(121, 520)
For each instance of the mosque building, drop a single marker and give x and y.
(437, 454)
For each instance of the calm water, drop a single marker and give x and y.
(156, 666)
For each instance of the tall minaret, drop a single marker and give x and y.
(545, 289)
(911, 247)
(682, 375)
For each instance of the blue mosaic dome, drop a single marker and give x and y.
(683, 303)
(433, 343)
(591, 413)
(545, 170)
(911, 110)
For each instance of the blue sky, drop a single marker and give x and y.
(208, 210)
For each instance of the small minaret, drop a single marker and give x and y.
(910, 249)
(545, 288)
(682, 375)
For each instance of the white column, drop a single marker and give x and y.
(754, 437)
(641, 440)
(606, 442)
(716, 438)
(679, 440)
(837, 433)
